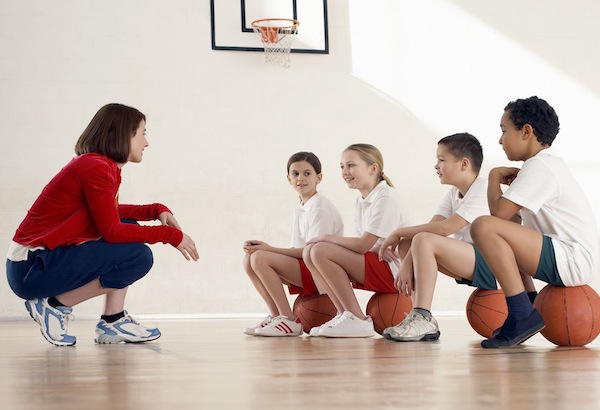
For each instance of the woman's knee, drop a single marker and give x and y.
(144, 259)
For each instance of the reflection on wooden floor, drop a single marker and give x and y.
(211, 364)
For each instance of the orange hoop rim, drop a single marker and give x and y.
(256, 24)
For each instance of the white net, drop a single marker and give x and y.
(276, 36)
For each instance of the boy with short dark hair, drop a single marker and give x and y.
(427, 249)
(558, 241)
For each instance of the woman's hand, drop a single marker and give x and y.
(167, 218)
(188, 248)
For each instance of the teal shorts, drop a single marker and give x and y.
(482, 276)
(546, 271)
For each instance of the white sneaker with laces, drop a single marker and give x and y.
(314, 332)
(415, 328)
(126, 329)
(348, 325)
(280, 326)
(250, 330)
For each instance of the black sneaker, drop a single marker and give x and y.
(514, 332)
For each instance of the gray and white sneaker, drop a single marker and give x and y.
(415, 328)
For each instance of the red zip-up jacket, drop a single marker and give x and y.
(80, 204)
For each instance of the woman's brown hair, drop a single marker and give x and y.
(109, 132)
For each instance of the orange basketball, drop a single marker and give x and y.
(388, 309)
(486, 311)
(313, 310)
(572, 314)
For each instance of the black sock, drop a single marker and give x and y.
(519, 306)
(112, 318)
(422, 312)
(52, 301)
(532, 296)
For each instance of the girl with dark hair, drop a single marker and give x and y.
(77, 242)
(269, 268)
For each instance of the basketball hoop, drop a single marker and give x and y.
(276, 39)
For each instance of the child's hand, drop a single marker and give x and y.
(506, 175)
(322, 238)
(404, 282)
(253, 245)
(167, 218)
(391, 242)
(188, 248)
(387, 255)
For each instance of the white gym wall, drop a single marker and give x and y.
(400, 74)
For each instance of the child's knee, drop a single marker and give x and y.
(480, 226)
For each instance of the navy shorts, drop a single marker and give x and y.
(53, 272)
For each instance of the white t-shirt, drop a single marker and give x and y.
(318, 216)
(473, 205)
(554, 204)
(380, 213)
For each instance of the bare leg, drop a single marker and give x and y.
(432, 253)
(260, 287)
(270, 268)
(85, 292)
(509, 249)
(337, 266)
(317, 276)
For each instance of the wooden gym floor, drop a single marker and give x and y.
(211, 364)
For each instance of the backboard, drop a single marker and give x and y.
(231, 23)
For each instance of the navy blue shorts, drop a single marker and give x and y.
(53, 272)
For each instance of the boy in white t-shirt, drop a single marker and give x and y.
(444, 244)
(558, 241)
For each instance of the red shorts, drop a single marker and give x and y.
(378, 275)
(308, 283)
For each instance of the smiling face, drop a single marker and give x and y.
(138, 143)
(448, 167)
(304, 179)
(357, 173)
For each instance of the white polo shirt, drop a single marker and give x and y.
(380, 213)
(554, 205)
(473, 205)
(318, 216)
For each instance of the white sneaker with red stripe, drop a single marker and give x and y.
(280, 326)
(250, 330)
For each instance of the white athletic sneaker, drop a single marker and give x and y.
(126, 329)
(348, 325)
(415, 328)
(250, 330)
(53, 321)
(280, 326)
(314, 332)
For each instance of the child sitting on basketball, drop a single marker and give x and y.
(443, 244)
(269, 267)
(341, 263)
(558, 241)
